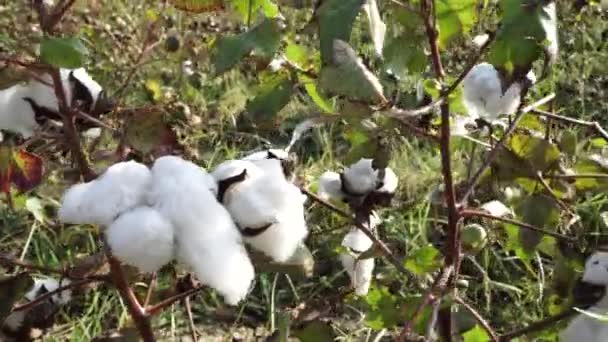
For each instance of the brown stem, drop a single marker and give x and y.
(154, 309)
(579, 175)
(537, 326)
(484, 324)
(190, 319)
(500, 144)
(71, 133)
(55, 17)
(49, 294)
(126, 293)
(151, 286)
(479, 213)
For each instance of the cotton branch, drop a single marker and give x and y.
(591, 124)
(484, 324)
(60, 289)
(479, 213)
(537, 326)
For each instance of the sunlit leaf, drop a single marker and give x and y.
(34, 206)
(454, 17)
(245, 7)
(384, 310)
(63, 52)
(153, 88)
(423, 260)
(311, 89)
(477, 334)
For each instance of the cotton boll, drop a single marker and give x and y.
(17, 115)
(596, 269)
(45, 285)
(389, 182)
(120, 188)
(271, 160)
(481, 39)
(360, 178)
(481, 87)
(280, 240)
(142, 238)
(359, 271)
(330, 186)
(207, 238)
(233, 168)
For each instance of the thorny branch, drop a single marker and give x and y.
(591, 124)
(60, 289)
(484, 324)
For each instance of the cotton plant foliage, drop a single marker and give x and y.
(20, 101)
(583, 327)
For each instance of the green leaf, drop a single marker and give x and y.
(63, 52)
(592, 164)
(13, 289)
(423, 260)
(271, 96)
(404, 54)
(311, 89)
(315, 331)
(336, 19)
(267, 7)
(383, 310)
(298, 55)
(477, 334)
(263, 40)
(540, 154)
(454, 18)
(519, 41)
(348, 76)
(153, 89)
(567, 142)
(539, 211)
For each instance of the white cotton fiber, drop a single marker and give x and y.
(483, 96)
(583, 327)
(44, 285)
(359, 271)
(120, 188)
(389, 182)
(272, 153)
(330, 186)
(207, 238)
(17, 115)
(360, 178)
(233, 168)
(143, 238)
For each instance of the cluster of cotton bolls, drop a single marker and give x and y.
(584, 327)
(177, 210)
(353, 185)
(23, 107)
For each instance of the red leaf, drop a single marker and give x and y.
(26, 170)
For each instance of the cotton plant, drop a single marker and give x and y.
(267, 208)
(585, 327)
(26, 106)
(360, 271)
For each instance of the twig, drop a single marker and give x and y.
(64, 272)
(479, 213)
(55, 17)
(151, 286)
(537, 326)
(541, 180)
(49, 294)
(500, 144)
(484, 324)
(152, 310)
(578, 175)
(592, 124)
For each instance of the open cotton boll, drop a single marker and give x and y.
(121, 187)
(583, 327)
(390, 182)
(280, 239)
(143, 238)
(330, 186)
(45, 285)
(207, 239)
(360, 178)
(359, 271)
(273, 153)
(17, 115)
